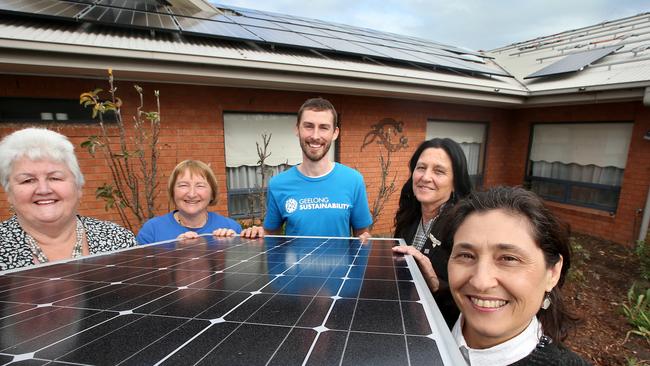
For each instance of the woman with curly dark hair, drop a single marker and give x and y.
(438, 179)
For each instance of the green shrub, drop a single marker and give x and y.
(637, 312)
(643, 251)
(579, 256)
(633, 361)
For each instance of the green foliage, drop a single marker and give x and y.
(633, 361)
(637, 312)
(91, 144)
(643, 251)
(579, 257)
(110, 195)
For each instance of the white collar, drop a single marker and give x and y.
(502, 354)
(319, 176)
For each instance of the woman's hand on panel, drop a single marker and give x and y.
(253, 232)
(424, 263)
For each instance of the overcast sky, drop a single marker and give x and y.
(475, 24)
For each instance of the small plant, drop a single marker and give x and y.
(637, 312)
(633, 361)
(579, 257)
(643, 252)
(258, 198)
(132, 161)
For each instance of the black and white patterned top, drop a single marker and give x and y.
(102, 236)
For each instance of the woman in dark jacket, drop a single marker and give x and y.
(439, 178)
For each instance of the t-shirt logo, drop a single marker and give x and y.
(290, 205)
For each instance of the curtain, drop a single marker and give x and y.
(612, 176)
(251, 176)
(598, 144)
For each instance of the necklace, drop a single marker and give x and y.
(42, 258)
(177, 216)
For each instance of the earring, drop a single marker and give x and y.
(547, 301)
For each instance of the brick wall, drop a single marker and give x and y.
(192, 128)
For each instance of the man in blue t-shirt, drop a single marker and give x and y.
(317, 197)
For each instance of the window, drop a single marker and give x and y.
(579, 164)
(244, 179)
(46, 110)
(470, 137)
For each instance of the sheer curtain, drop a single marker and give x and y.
(610, 175)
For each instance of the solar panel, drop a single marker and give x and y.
(44, 8)
(288, 38)
(142, 5)
(130, 18)
(234, 23)
(272, 301)
(342, 45)
(574, 62)
(255, 22)
(202, 27)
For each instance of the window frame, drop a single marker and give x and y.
(75, 112)
(477, 180)
(569, 185)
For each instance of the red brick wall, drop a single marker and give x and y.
(192, 128)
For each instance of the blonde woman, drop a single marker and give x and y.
(192, 187)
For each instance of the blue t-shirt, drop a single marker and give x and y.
(165, 227)
(323, 206)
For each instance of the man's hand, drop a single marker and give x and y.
(187, 235)
(364, 237)
(424, 263)
(222, 232)
(363, 234)
(253, 232)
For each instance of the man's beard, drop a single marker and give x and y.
(315, 157)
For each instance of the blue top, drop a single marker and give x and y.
(323, 206)
(165, 227)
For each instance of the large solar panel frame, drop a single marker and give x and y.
(574, 62)
(234, 23)
(232, 301)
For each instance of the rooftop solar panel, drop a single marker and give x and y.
(288, 38)
(272, 301)
(255, 22)
(234, 23)
(574, 62)
(343, 45)
(142, 5)
(216, 29)
(130, 18)
(44, 8)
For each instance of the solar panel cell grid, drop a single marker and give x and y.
(276, 301)
(215, 29)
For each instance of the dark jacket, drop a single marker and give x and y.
(549, 353)
(439, 256)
